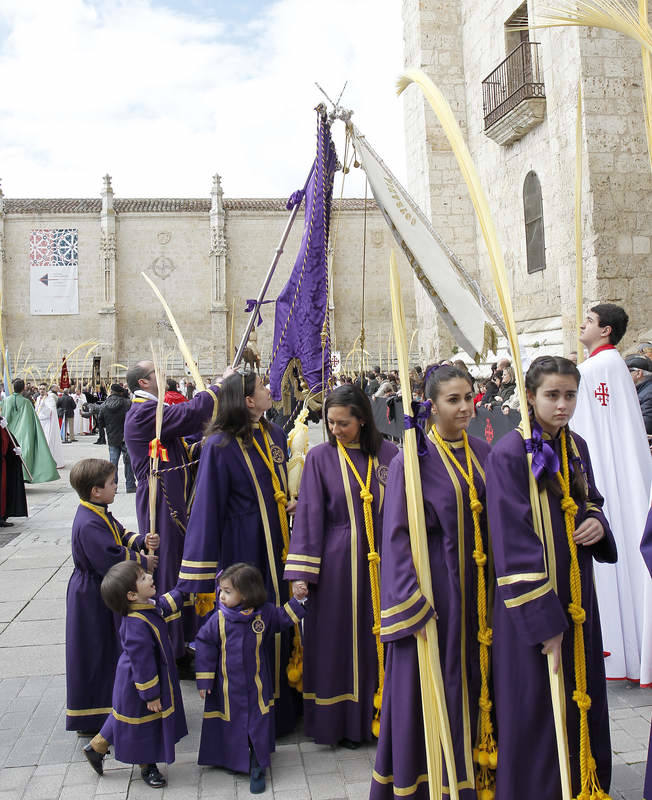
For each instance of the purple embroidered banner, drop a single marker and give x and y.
(302, 304)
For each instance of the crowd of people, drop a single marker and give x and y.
(281, 606)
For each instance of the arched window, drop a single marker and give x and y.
(534, 236)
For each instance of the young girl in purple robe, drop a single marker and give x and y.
(336, 547)
(544, 542)
(452, 478)
(147, 718)
(234, 676)
(92, 632)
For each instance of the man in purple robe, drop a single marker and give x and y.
(531, 606)
(646, 550)
(174, 487)
(401, 767)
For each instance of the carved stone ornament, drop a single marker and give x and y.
(218, 243)
(163, 237)
(163, 267)
(108, 244)
(377, 238)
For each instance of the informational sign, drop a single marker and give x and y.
(336, 362)
(53, 260)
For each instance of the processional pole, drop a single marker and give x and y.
(268, 277)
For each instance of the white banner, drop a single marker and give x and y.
(53, 271)
(456, 296)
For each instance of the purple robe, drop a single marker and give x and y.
(146, 670)
(231, 661)
(92, 641)
(329, 550)
(235, 518)
(400, 768)
(184, 419)
(646, 551)
(531, 606)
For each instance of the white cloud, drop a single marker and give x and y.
(162, 99)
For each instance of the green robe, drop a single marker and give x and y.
(26, 428)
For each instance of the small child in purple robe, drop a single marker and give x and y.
(92, 632)
(233, 674)
(147, 718)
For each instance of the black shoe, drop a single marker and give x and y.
(100, 441)
(186, 667)
(95, 759)
(256, 775)
(349, 744)
(153, 777)
(86, 734)
(5, 524)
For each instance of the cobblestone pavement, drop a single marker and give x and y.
(40, 760)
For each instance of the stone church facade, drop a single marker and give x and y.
(208, 256)
(514, 95)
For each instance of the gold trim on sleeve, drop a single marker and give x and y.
(300, 557)
(525, 577)
(412, 599)
(171, 602)
(514, 602)
(400, 626)
(143, 687)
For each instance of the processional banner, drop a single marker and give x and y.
(302, 305)
(456, 296)
(53, 260)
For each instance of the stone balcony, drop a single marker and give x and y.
(514, 97)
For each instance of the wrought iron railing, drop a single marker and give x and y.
(515, 79)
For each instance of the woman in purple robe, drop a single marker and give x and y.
(330, 548)
(646, 551)
(535, 612)
(92, 641)
(457, 545)
(147, 718)
(234, 676)
(240, 511)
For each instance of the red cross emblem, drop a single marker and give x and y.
(489, 432)
(602, 394)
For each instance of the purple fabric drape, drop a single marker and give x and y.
(302, 304)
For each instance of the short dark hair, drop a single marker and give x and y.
(90, 472)
(172, 385)
(352, 396)
(19, 385)
(119, 580)
(614, 316)
(247, 580)
(135, 373)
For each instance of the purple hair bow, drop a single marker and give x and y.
(544, 458)
(251, 306)
(420, 414)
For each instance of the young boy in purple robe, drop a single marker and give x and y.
(646, 551)
(147, 718)
(331, 546)
(545, 597)
(234, 675)
(92, 632)
(457, 544)
(240, 512)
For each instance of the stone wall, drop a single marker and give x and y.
(175, 248)
(458, 47)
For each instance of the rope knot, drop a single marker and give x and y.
(578, 614)
(486, 637)
(373, 557)
(476, 507)
(479, 557)
(375, 630)
(366, 496)
(281, 497)
(582, 699)
(569, 506)
(485, 704)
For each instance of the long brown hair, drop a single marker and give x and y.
(233, 418)
(557, 365)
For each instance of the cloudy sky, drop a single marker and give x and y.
(163, 93)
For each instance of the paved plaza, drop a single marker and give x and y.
(41, 761)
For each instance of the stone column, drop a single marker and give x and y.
(432, 36)
(107, 333)
(2, 264)
(217, 262)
